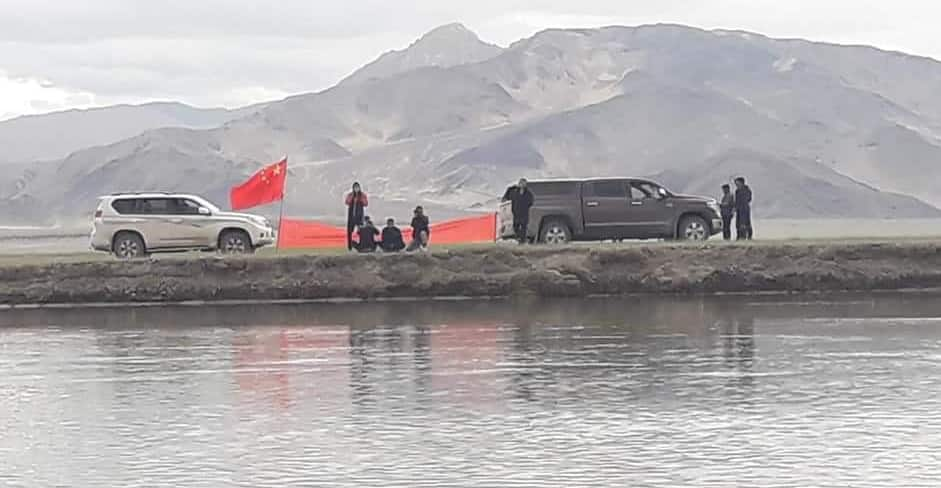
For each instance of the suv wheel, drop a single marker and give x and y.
(128, 245)
(235, 242)
(693, 228)
(556, 232)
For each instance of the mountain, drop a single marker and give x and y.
(447, 46)
(820, 130)
(56, 135)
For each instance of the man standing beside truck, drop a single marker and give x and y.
(521, 199)
(727, 210)
(743, 197)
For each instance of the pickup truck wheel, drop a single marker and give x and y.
(555, 232)
(235, 242)
(693, 228)
(128, 245)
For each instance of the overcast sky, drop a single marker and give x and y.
(57, 54)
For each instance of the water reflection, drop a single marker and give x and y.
(691, 392)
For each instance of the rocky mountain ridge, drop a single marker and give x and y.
(820, 130)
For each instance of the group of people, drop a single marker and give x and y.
(736, 205)
(390, 239)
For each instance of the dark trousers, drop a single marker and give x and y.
(743, 224)
(520, 228)
(727, 226)
(350, 227)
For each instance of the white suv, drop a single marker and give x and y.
(132, 225)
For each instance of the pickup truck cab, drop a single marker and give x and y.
(612, 208)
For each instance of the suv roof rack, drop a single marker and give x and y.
(123, 193)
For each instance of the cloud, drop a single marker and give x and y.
(233, 52)
(20, 96)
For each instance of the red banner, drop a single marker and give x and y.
(300, 234)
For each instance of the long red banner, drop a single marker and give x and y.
(300, 234)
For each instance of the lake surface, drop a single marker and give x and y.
(646, 393)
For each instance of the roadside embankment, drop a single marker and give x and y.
(487, 272)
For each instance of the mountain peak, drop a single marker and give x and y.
(454, 30)
(444, 47)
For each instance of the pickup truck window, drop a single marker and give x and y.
(607, 189)
(645, 189)
(554, 188)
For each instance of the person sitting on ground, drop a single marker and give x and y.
(367, 236)
(392, 237)
(421, 231)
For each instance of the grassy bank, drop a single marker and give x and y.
(488, 271)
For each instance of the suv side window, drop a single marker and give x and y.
(125, 206)
(157, 206)
(608, 189)
(186, 207)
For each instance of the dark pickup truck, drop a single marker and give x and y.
(612, 208)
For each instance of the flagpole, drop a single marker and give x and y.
(281, 209)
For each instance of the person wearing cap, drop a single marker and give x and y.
(392, 237)
(421, 230)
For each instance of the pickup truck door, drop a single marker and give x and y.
(605, 208)
(650, 211)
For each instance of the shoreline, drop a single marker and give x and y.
(485, 273)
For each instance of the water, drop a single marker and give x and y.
(644, 393)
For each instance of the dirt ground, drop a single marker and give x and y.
(496, 271)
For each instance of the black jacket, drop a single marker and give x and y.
(743, 198)
(522, 201)
(367, 238)
(420, 224)
(727, 204)
(392, 239)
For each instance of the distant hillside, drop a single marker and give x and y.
(56, 135)
(820, 130)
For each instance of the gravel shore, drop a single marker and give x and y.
(488, 272)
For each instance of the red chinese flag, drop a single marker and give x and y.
(263, 187)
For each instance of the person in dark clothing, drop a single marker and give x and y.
(421, 231)
(727, 208)
(367, 236)
(392, 237)
(522, 200)
(356, 203)
(743, 198)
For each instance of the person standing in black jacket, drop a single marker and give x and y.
(727, 208)
(743, 198)
(356, 203)
(521, 199)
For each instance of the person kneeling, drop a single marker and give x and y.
(367, 236)
(392, 237)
